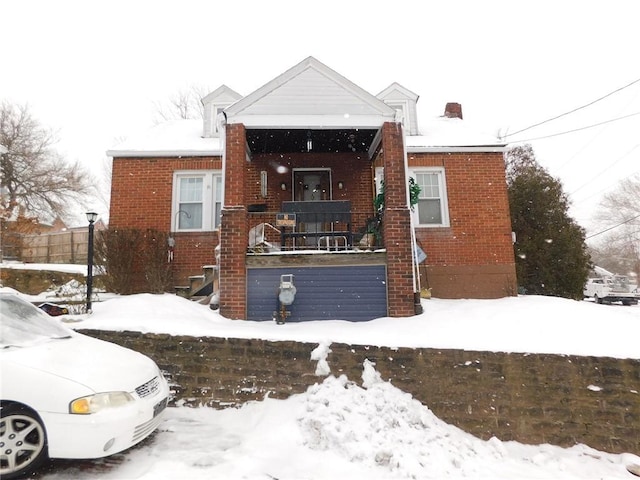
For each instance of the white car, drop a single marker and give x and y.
(67, 395)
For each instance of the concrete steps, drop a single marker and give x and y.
(201, 287)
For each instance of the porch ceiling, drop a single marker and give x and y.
(322, 141)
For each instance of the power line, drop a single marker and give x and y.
(608, 187)
(572, 111)
(606, 169)
(593, 137)
(578, 129)
(611, 228)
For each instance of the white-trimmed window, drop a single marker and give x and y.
(432, 209)
(402, 107)
(217, 110)
(197, 200)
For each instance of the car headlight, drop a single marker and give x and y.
(99, 401)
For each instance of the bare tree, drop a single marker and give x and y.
(619, 217)
(623, 203)
(36, 181)
(184, 104)
(617, 254)
(103, 184)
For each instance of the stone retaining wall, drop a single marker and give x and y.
(555, 399)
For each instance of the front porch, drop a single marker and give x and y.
(301, 157)
(307, 203)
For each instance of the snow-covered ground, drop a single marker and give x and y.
(338, 429)
(527, 324)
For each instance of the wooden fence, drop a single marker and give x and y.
(61, 247)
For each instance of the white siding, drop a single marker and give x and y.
(311, 92)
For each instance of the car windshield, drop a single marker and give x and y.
(22, 324)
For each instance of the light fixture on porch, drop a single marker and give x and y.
(283, 186)
(309, 141)
(263, 183)
(340, 185)
(352, 142)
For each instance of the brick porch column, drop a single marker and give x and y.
(233, 229)
(396, 224)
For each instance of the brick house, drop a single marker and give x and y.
(283, 181)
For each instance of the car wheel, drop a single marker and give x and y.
(23, 441)
(597, 299)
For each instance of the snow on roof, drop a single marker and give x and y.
(174, 138)
(443, 133)
(184, 137)
(307, 95)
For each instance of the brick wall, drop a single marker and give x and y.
(396, 225)
(233, 230)
(523, 397)
(471, 258)
(474, 256)
(141, 195)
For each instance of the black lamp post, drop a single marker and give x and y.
(92, 217)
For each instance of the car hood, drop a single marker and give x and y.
(98, 365)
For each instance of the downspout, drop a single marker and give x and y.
(222, 131)
(414, 245)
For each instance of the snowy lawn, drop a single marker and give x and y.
(527, 324)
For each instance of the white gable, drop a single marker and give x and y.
(403, 100)
(310, 95)
(222, 94)
(213, 103)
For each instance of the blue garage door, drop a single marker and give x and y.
(353, 293)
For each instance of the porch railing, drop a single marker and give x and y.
(322, 226)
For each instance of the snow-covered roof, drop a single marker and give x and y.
(309, 95)
(184, 138)
(174, 138)
(452, 134)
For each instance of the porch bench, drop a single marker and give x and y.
(317, 219)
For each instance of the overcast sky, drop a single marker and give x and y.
(94, 71)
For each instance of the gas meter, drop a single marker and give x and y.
(287, 290)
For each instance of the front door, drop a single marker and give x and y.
(311, 186)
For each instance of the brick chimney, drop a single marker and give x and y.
(453, 110)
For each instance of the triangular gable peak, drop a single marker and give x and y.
(214, 103)
(310, 95)
(404, 101)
